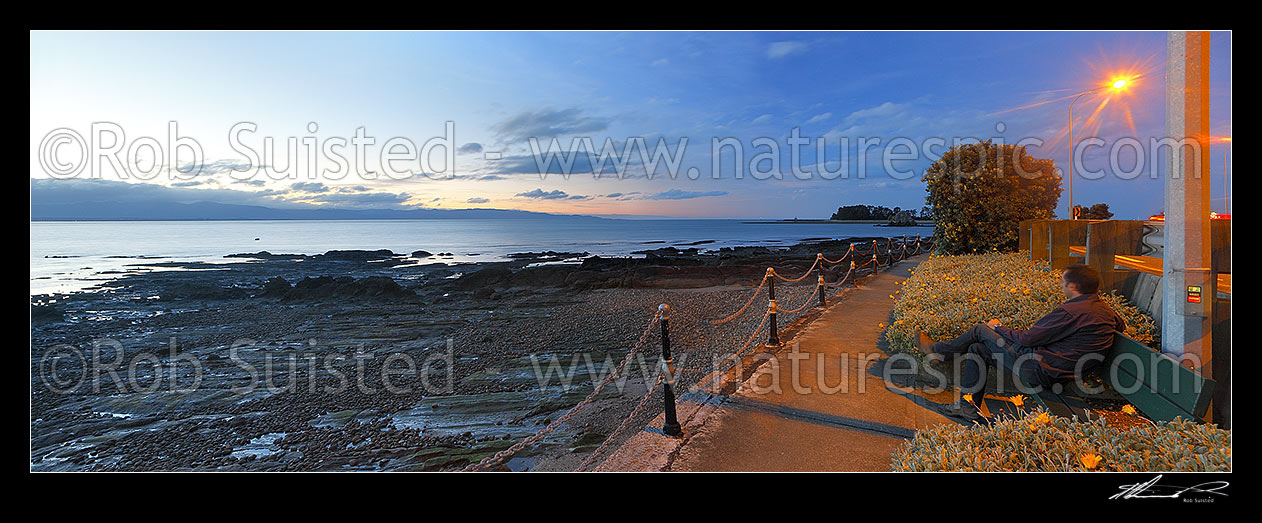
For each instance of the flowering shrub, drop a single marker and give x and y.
(947, 295)
(979, 192)
(1037, 441)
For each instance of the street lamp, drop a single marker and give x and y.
(1117, 84)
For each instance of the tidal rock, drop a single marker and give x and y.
(358, 255)
(902, 219)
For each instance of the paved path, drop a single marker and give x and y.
(841, 415)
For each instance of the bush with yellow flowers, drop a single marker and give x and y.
(1037, 441)
(947, 295)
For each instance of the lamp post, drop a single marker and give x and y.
(1117, 84)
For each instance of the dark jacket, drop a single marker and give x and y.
(1078, 327)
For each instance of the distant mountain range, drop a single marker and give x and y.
(102, 200)
(160, 210)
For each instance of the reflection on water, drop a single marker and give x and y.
(71, 256)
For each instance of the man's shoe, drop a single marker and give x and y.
(924, 343)
(961, 411)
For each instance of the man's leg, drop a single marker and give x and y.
(976, 365)
(980, 333)
(1024, 364)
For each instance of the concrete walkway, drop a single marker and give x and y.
(820, 405)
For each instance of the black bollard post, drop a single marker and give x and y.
(821, 288)
(771, 305)
(671, 427)
(821, 279)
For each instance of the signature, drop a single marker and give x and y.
(1151, 489)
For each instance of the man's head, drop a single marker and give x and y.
(1079, 279)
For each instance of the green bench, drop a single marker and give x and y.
(1153, 382)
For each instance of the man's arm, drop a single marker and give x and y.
(1048, 329)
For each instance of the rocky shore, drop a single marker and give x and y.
(374, 360)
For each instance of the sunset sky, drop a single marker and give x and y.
(502, 88)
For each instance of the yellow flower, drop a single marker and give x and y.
(1017, 400)
(1129, 409)
(1089, 460)
(968, 398)
(1043, 418)
(881, 325)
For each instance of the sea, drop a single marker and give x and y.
(74, 255)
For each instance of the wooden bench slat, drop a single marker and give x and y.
(1156, 383)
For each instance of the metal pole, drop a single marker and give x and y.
(671, 427)
(1226, 186)
(1072, 215)
(771, 305)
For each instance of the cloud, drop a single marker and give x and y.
(213, 168)
(374, 200)
(676, 194)
(471, 147)
(52, 191)
(539, 194)
(885, 109)
(820, 117)
(580, 163)
(660, 61)
(311, 187)
(778, 50)
(528, 164)
(548, 123)
(762, 119)
(477, 200)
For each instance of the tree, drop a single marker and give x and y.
(852, 212)
(1099, 211)
(979, 193)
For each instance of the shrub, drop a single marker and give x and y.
(947, 295)
(1037, 441)
(980, 191)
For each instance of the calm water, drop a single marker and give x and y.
(86, 249)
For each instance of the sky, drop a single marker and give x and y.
(500, 90)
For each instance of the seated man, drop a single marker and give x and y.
(1046, 353)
